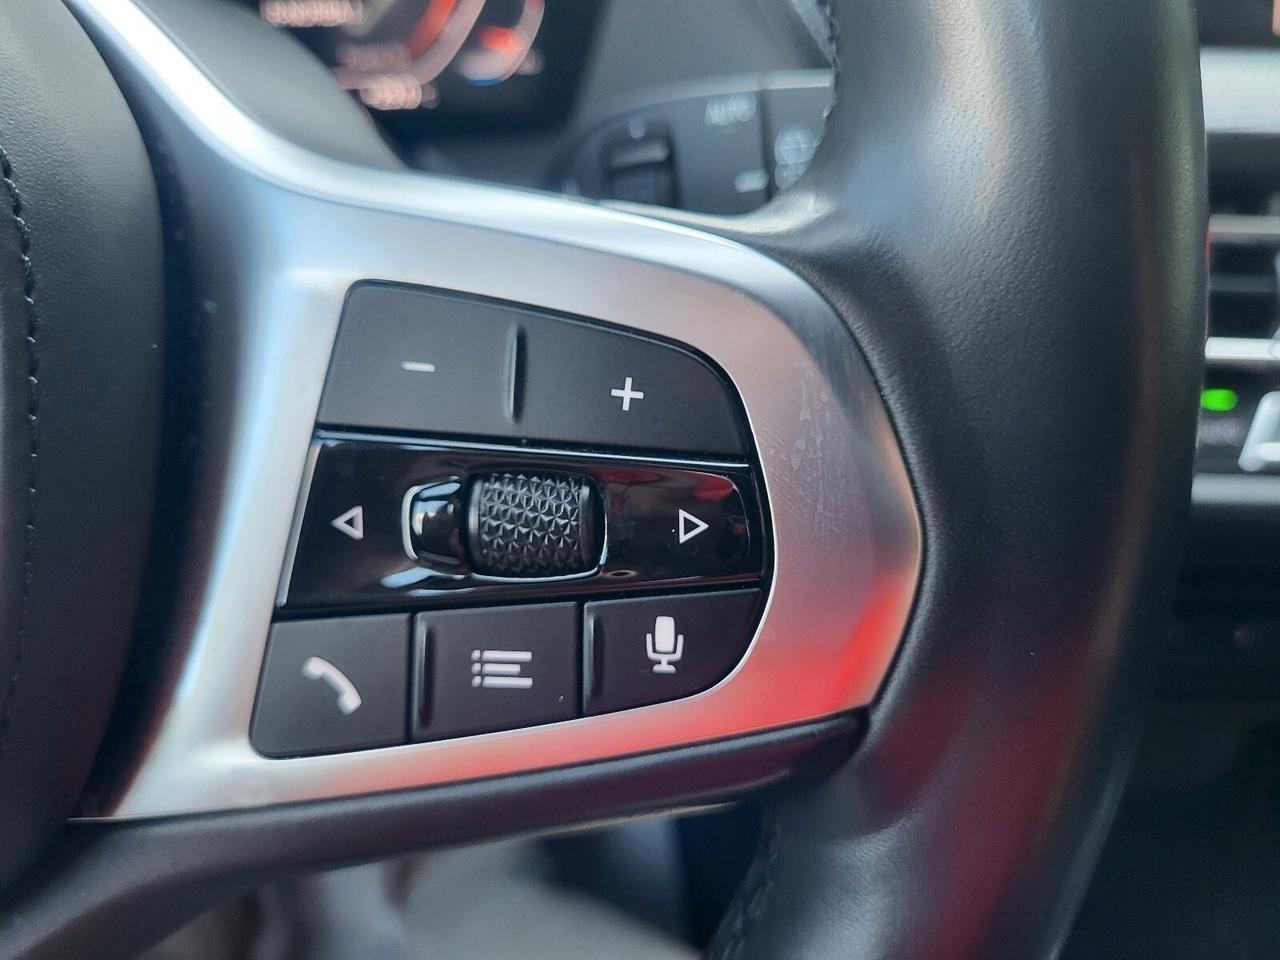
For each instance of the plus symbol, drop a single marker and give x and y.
(626, 395)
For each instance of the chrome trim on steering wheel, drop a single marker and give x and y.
(282, 234)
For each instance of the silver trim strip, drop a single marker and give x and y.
(1241, 352)
(1237, 228)
(295, 529)
(1241, 90)
(1235, 491)
(283, 234)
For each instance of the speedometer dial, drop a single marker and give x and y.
(501, 42)
(393, 53)
(451, 67)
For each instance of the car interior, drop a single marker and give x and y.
(541, 479)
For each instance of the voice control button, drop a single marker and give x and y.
(663, 648)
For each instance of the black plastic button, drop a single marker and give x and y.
(412, 360)
(1231, 402)
(351, 545)
(494, 669)
(656, 649)
(333, 685)
(588, 385)
(668, 524)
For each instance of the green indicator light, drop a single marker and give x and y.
(1219, 400)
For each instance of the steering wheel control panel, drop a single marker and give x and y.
(510, 518)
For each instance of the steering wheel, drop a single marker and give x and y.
(965, 350)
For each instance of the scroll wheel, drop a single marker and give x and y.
(534, 525)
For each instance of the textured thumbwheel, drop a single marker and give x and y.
(533, 525)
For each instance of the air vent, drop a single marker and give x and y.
(1244, 277)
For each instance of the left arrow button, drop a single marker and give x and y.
(351, 523)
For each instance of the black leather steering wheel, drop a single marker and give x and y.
(1005, 221)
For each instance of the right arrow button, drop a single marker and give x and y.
(672, 524)
(690, 526)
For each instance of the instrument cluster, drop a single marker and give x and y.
(448, 64)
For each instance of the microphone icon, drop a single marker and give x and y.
(664, 645)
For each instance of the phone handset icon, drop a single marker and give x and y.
(316, 668)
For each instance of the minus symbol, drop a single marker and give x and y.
(417, 366)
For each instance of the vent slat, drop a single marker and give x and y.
(1244, 278)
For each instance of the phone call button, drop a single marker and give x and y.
(333, 685)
